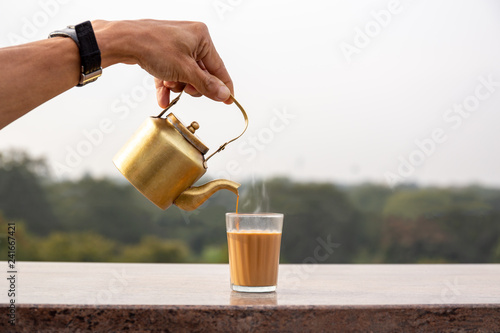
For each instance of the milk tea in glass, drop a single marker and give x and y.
(254, 242)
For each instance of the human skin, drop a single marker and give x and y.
(180, 55)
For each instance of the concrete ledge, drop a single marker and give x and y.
(436, 318)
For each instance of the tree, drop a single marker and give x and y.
(77, 246)
(116, 211)
(22, 196)
(154, 249)
(452, 225)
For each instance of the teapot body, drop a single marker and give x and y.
(160, 162)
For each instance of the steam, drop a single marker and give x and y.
(256, 198)
(263, 203)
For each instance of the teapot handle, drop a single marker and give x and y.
(222, 147)
(172, 103)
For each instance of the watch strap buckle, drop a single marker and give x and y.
(90, 77)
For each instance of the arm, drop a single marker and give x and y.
(33, 73)
(178, 54)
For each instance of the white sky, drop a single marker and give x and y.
(352, 121)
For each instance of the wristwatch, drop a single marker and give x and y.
(83, 35)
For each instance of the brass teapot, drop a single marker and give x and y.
(164, 158)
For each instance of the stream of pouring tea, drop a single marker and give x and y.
(237, 219)
(237, 201)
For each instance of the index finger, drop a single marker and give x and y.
(215, 66)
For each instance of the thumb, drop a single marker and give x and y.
(163, 96)
(209, 85)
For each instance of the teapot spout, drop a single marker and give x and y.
(193, 197)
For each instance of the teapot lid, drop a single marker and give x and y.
(188, 132)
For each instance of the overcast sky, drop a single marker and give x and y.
(341, 91)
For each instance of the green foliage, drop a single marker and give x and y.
(369, 198)
(22, 195)
(76, 246)
(427, 202)
(113, 210)
(413, 203)
(496, 253)
(101, 219)
(154, 249)
(215, 254)
(453, 225)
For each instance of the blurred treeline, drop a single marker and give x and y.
(108, 220)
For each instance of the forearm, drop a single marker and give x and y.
(34, 73)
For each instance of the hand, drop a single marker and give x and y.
(180, 55)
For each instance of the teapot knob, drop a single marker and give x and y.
(193, 127)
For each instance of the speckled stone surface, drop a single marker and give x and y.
(98, 297)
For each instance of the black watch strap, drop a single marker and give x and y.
(90, 55)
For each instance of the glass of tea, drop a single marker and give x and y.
(254, 242)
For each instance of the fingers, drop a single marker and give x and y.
(162, 93)
(208, 84)
(163, 96)
(198, 70)
(174, 85)
(163, 89)
(215, 66)
(192, 91)
(203, 83)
